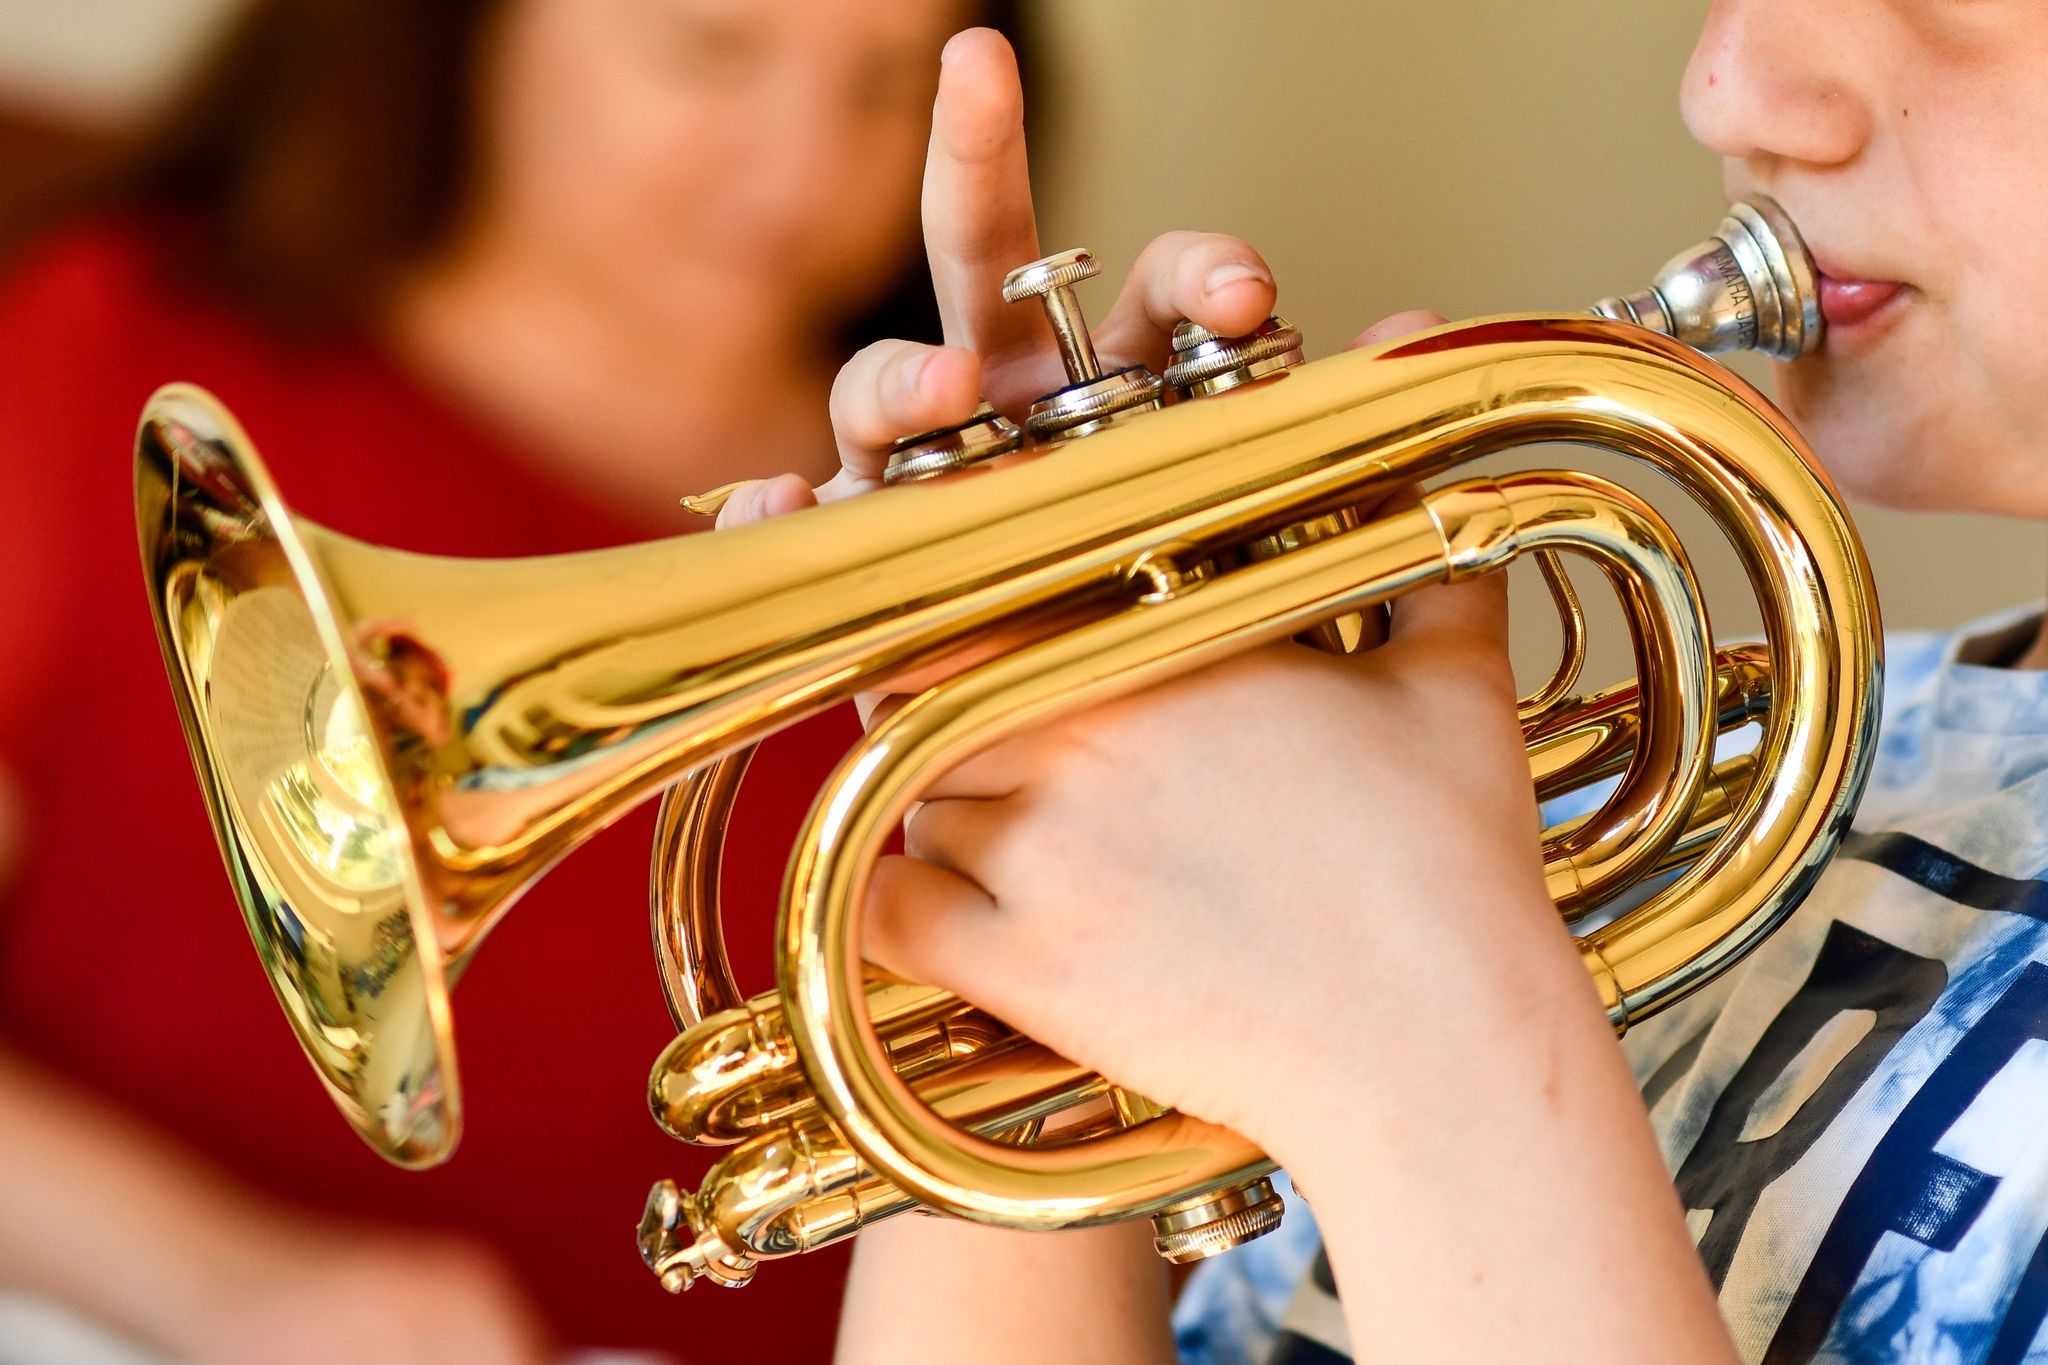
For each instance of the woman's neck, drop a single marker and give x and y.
(638, 411)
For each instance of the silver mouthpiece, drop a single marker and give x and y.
(1751, 286)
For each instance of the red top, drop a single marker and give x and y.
(123, 963)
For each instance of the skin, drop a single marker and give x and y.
(1903, 137)
(680, 202)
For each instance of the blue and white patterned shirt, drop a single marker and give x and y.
(1857, 1116)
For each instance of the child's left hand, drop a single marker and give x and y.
(1201, 889)
(1197, 889)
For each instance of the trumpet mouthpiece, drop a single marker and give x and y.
(1750, 287)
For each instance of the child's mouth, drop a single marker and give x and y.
(1850, 304)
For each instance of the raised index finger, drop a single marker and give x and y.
(978, 224)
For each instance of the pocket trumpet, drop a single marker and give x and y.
(394, 746)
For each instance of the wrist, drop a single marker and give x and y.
(1465, 1217)
(1482, 1038)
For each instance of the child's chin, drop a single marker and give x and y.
(1895, 435)
(1863, 457)
(1872, 467)
(1856, 433)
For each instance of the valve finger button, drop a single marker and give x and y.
(981, 437)
(1205, 363)
(1061, 270)
(1051, 281)
(1081, 409)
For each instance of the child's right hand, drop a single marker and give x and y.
(1447, 691)
(978, 226)
(1326, 867)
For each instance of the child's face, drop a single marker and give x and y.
(1909, 141)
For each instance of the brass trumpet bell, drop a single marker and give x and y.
(276, 685)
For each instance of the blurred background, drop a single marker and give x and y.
(1465, 156)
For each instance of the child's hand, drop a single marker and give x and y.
(1190, 888)
(978, 226)
(1278, 881)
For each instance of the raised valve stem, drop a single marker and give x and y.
(1051, 281)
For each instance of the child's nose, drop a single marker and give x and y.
(1772, 79)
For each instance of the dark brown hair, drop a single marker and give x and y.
(322, 146)
(326, 144)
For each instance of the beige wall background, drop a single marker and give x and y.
(1469, 156)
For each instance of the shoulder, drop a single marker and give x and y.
(1911, 660)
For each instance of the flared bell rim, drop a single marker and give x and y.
(218, 544)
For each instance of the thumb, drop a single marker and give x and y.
(759, 499)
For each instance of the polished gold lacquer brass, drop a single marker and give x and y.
(394, 746)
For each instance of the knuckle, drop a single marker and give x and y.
(926, 834)
(1171, 246)
(869, 389)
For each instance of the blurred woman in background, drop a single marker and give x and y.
(480, 278)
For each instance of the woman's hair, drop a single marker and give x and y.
(319, 148)
(327, 144)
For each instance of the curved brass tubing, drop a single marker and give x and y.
(1594, 737)
(799, 1186)
(683, 895)
(736, 1074)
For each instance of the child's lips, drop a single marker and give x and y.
(1847, 303)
